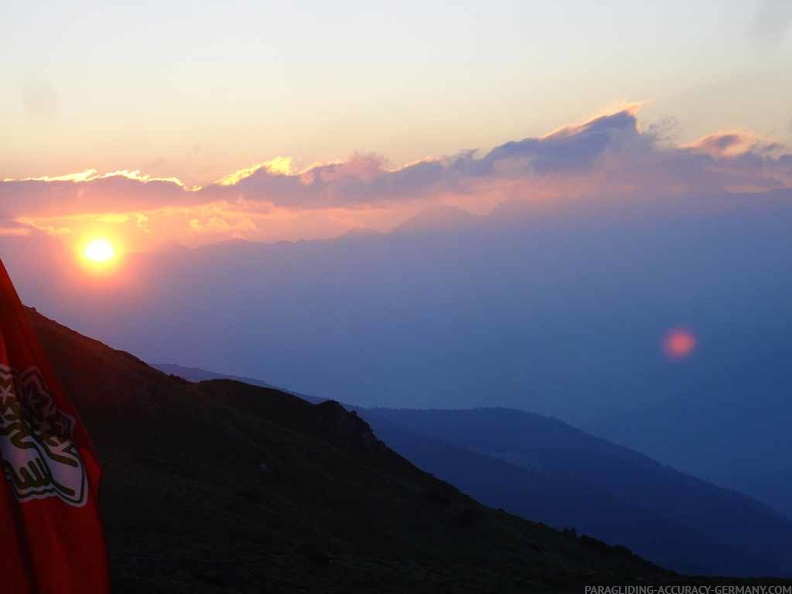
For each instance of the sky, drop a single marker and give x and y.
(623, 169)
(186, 105)
(629, 165)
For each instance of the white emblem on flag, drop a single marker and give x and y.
(39, 457)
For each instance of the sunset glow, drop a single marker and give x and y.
(458, 296)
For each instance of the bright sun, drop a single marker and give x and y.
(99, 250)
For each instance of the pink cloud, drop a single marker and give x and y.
(608, 155)
(731, 144)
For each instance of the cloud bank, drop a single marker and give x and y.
(610, 155)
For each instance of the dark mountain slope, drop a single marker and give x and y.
(225, 487)
(538, 467)
(194, 374)
(673, 518)
(575, 504)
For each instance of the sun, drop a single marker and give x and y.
(99, 250)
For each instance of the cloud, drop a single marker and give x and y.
(89, 192)
(360, 180)
(607, 155)
(233, 224)
(276, 166)
(572, 148)
(90, 175)
(14, 229)
(731, 144)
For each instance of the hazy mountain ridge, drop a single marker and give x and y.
(538, 467)
(569, 503)
(222, 486)
(758, 421)
(564, 454)
(194, 374)
(558, 307)
(438, 218)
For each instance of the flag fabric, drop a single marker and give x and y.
(51, 538)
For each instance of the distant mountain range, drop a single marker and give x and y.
(743, 414)
(547, 470)
(225, 487)
(359, 233)
(438, 218)
(195, 374)
(554, 306)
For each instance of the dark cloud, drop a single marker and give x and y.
(42, 197)
(363, 179)
(571, 148)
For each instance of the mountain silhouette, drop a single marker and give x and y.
(672, 518)
(538, 467)
(221, 486)
(437, 217)
(358, 233)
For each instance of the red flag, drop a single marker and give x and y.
(51, 538)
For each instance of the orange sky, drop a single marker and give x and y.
(320, 118)
(614, 154)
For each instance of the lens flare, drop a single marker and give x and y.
(679, 343)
